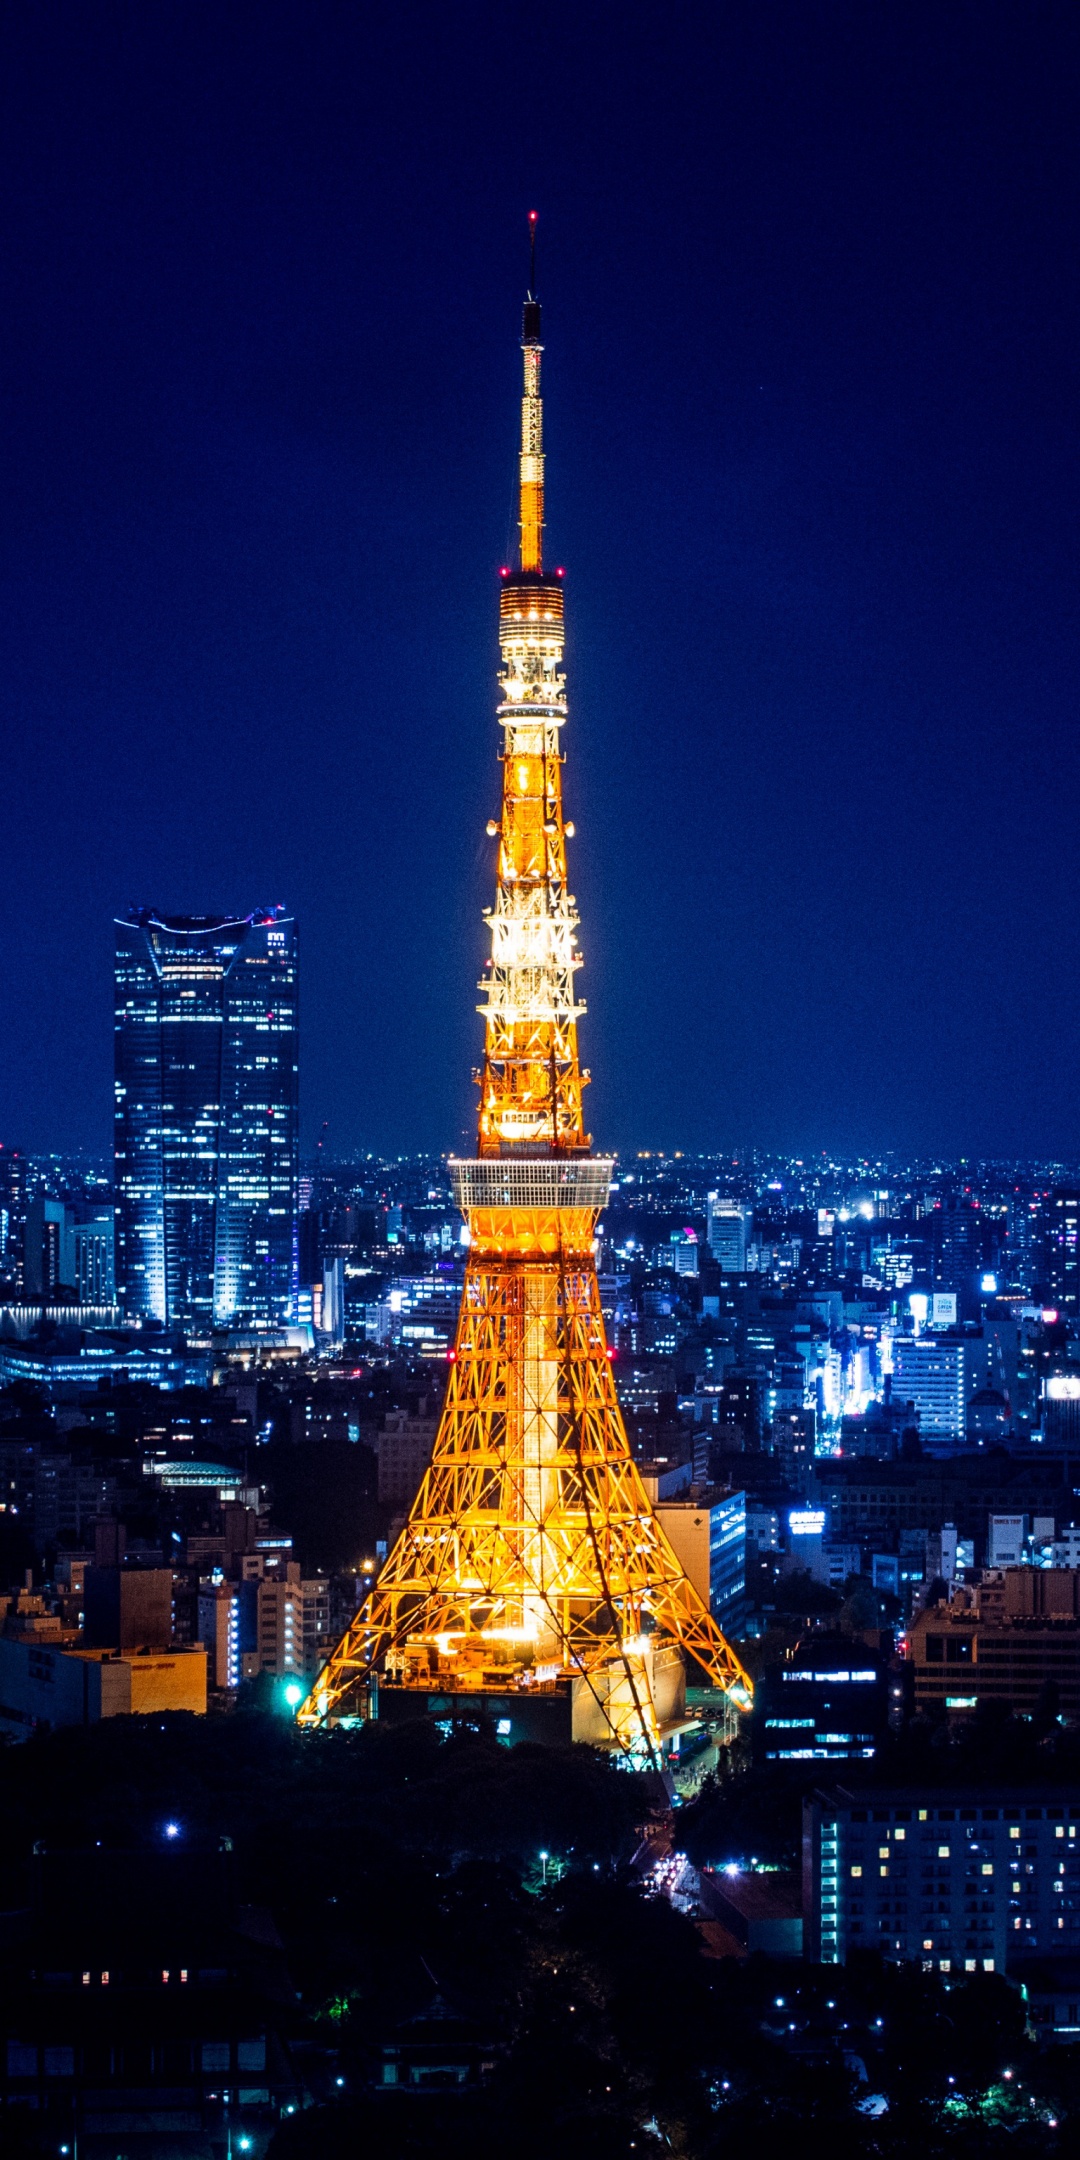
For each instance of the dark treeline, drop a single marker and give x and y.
(403, 1864)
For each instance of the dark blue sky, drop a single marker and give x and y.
(811, 325)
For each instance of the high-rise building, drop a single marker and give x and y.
(726, 1233)
(12, 1214)
(48, 1257)
(280, 1628)
(959, 1244)
(68, 1251)
(939, 1374)
(207, 1127)
(1063, 1253)
(93, 1240)
(1023, 1260)
(220, 1632)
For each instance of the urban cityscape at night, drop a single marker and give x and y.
(545, 1623)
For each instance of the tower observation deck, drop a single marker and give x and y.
(533, 1574)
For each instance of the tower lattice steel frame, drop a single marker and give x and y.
(532, 1562)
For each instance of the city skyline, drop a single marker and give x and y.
(819, 544)
(539, 1611)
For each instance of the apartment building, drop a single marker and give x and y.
(961, 1881)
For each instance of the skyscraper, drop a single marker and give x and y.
(207, 1128)
(726, 1233)
(12, 1214)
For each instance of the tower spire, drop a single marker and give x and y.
(531, 472)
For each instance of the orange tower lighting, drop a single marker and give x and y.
(533, 1572)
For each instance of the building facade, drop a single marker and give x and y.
(135, 1993)
(69, 1251)
(46, 1685)
(1063, 1248)
(727, 1558)
(958, 1881)
(1015, 1641)
(207, 1119)
(280, 1637)
(709, 1536)
(12, 1214)
(220, 1625)
(48, 1260)
(936, 1374)
(827, 1702)
(726, 1233)
(404, 1452)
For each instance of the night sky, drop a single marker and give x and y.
(811, 374)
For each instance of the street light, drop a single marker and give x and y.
(543, 1863)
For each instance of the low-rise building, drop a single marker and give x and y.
(1008, 1641)
(826, 1702)
(44, 1685)
(143, 2008)
(760, 1911)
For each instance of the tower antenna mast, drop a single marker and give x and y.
(531, 466)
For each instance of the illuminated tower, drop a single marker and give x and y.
(533, 1573)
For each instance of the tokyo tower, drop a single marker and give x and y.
(533, 1577)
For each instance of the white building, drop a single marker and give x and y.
(219, 1631)
(1006, 1541)
(939, 1374)
(280, 1628)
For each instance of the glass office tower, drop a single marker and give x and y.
(207, 1125)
